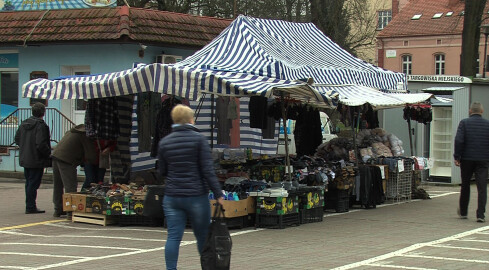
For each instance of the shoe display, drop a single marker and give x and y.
(58, 214)
(481, 220)
(460, 216)
(34, 211)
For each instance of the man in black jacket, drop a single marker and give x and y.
(33, 140)
(472, 155)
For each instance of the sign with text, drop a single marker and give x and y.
(9, 60)
(439, 78)
(25, 5)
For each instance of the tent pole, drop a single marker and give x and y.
(353, 128)
(410, 136)
(284, 119)
(212, 121)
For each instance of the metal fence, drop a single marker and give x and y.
(58, 125)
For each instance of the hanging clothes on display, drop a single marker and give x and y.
(258, 112)
(120, 158)
(163, 121)
(307, 133)
(102, 118)
(421, 113)
(223, 123)
(269, 131)
(149, 104)
(371, 117)
(369, 190)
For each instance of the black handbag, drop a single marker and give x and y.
(216, 254)
(153, 203)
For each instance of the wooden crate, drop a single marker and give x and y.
(91, 218)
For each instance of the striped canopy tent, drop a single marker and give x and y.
(291, 51)
(359, 95)
(182, 81)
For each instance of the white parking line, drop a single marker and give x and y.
(183, 243)
(13, 267)
(405, 252)
(66, 245)
(83, 236)
(443, 258)
(42, 255)
(461, 248)
(67, 225)
(399, 266)
(132, 251)
(443, 194)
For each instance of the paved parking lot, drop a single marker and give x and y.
(416, 235)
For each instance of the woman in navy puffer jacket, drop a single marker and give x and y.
(184, 158)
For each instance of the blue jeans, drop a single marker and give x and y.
(93, 174)
(33, 178)
(177, 209)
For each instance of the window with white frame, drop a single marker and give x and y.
(407, 64)
(439, 64)
(385, 17)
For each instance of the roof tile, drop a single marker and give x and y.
(109, 24)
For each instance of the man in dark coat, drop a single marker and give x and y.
(74, 149)
(472, 155)
(33, 140)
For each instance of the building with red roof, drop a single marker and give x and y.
(425, 38)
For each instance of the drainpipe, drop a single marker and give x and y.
(380, 53)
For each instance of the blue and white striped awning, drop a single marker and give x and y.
(354, 95)
(292, 51)
(183, 81)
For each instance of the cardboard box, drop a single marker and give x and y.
(232, 208)
(79, 202)
(67, 202)
(96, 205)
(251, 205)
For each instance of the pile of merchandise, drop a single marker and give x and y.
(372, 143)
(116, 199)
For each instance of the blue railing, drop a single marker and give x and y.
(58, 125)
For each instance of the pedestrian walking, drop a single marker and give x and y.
(34, 143)
(472, 155)
(74, 149)
(184, 158)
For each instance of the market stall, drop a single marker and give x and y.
(270, 61)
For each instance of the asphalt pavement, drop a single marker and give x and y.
(416, 234)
